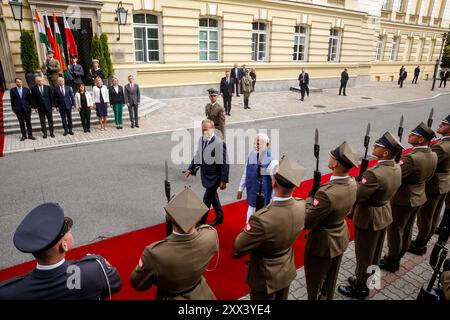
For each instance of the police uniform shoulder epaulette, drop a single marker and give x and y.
(298, 199)
(12, 281)
(157, 243)
(90, 257)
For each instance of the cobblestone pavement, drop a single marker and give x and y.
(405, 284)
(184, 112)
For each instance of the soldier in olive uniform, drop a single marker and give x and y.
(45, 233)
(270, 234)
(52, 69)
(418, 167)
(446, 215)
(436, 190)
(177, 263)
(373, 212)
(328, 237)
(215, 112)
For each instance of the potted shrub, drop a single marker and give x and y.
(29, 57)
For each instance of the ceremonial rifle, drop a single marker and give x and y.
(365, 161)
(400, 135)
(260, 194)
(167, 190)
(430, 118)
(317, 173)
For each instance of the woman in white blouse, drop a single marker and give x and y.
(84, 103)
(101, 99)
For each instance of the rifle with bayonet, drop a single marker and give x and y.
(364, 161)
(430, 118)
(400, 135)
(167, 190)
(317, 174)
(260, 195)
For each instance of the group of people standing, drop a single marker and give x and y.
(403, 74)
(303, 83)
(45, 99)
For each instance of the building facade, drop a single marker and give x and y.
(181, 47)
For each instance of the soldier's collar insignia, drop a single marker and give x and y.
(248, 227)
(316, 202)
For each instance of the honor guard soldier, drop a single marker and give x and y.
(52, 69)
(372, 213)
(215, 112)
(45, 233)
(270, 234)
(328, 237)
(418, 167)
(436, 190)
(96, 71)
(177, 263)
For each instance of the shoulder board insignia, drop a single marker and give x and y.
(90, 256)
(12, 281)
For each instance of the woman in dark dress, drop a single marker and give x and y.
(117, 100)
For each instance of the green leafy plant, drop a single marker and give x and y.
(28, 52)
(107, 63)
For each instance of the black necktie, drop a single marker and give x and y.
(101, 96)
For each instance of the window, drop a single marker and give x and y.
(394, 49)
(259, 41)
(209, 39)
(333, 45)
(380, 48)
(420, 49)
(146, 37)
(402, 4)
(300, 43)
(431, 51)
(385, 5)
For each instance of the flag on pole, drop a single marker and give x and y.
(59, 44)
(50, 38)
(42, 36)
(70, 41)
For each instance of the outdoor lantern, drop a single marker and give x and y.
(16, 8)
(121, 18)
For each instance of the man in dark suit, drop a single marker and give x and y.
(303, 80)
(211, 158)
(444, 77)
(402, 69)
(21, 105)
(42, 101)
(403, 76)
(344, 80)
(416, 75)
(133, 100)
(65, 102)
(226, 91)
(236, 75)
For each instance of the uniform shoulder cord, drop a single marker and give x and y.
(218, 252)
(106, 277)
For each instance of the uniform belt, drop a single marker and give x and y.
(170, 294)
(274, 256)
(331, 226)
(375, 205)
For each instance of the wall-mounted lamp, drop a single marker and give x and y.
(16, 8)
(121, 17)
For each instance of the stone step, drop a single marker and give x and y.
(11, 125)
(311, 89)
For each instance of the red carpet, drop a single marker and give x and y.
(2, 130)
(227, 281)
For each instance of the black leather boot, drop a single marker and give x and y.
(390, 264)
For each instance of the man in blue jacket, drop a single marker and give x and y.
(65, 102)
(21, 106)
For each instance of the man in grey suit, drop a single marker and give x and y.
(133, 99)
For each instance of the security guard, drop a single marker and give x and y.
(215, 112)
(270, 234)
(177, 263)
(52, 69)
(436, 190)
(328, 237)
(373, 212)
(418, 167)
(45, 233)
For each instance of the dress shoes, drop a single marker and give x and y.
(132, 125)
(357, 291)
(44, 136)
(217, 220)
(52, 135)
(32, 137)
(417, 248)
(23, 138)
(65, 133)
(351, 280)
(136, 125)
(71, 133)
(389, 264)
